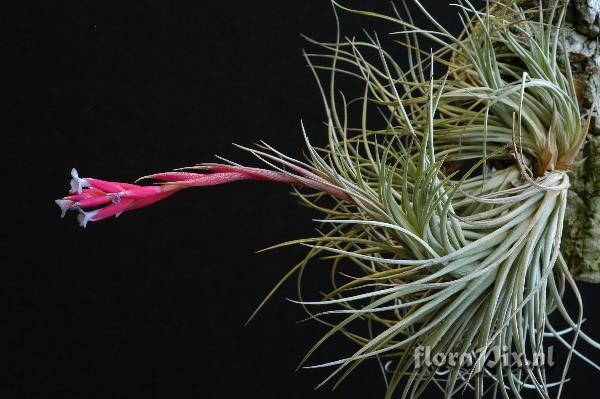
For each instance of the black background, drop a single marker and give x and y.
(153, 305)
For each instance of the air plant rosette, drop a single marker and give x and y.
(442, 228)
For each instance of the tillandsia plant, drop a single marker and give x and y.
(446, 202)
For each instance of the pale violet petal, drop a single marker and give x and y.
(64, 206)
(77, 183)
(84, 217)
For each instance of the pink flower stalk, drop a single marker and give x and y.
(96, 199)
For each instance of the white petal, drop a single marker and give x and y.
(84, 217)
(77, 183)
(64, 206)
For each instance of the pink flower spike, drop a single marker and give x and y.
(148, 201)
(213, 179)
(147, 192)
(78, 184)
(108, 186)
(103, 213)
(221, 174)
(128, 186)
(250, 173)
(296, 168)
(113, 198)
(307, 178)
(94, 201)
(171, 176)
(85, 193)
(255, 173)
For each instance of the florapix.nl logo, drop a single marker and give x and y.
(490, 357)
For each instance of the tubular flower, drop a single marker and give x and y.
(97, 199)
(109, 198)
